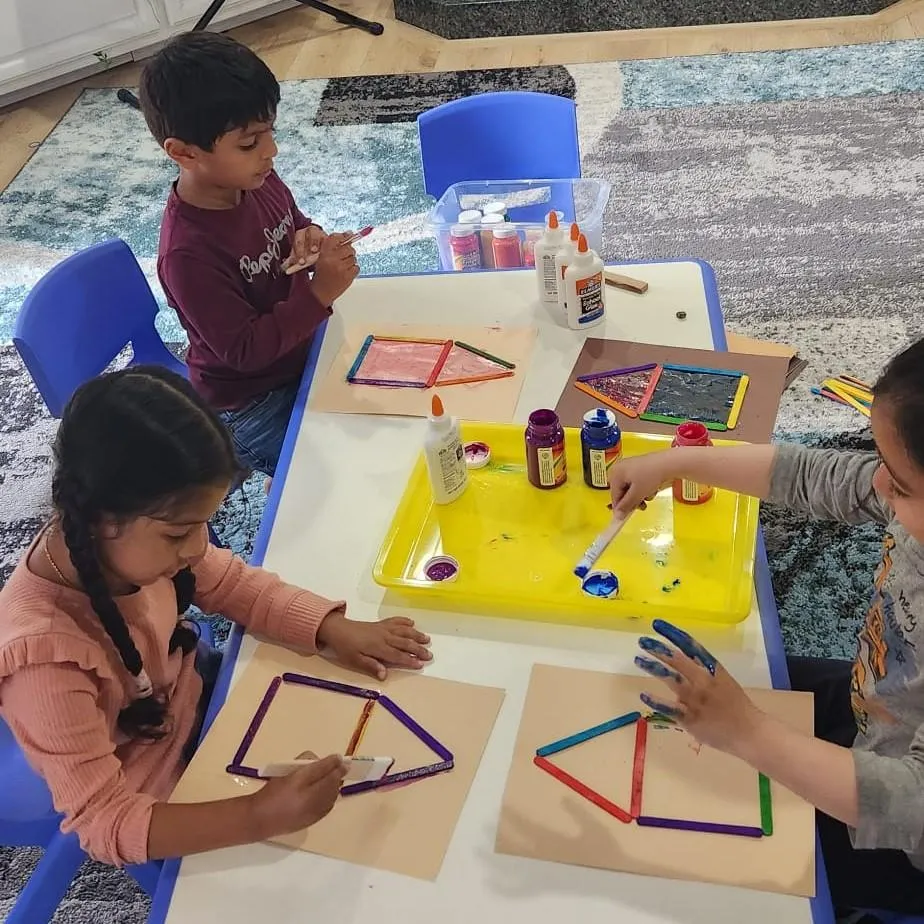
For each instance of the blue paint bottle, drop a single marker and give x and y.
(601, 446)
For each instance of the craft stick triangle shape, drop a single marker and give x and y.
(373, 698)
(543, 754)
(467, 363)
(627, 390)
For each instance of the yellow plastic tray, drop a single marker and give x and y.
(517, 545)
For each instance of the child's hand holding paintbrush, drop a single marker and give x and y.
(334, 269)
(306, 248)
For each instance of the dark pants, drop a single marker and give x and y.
(258, 430)
(208, 663)
(877, 879)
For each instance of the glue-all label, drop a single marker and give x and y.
(552, 470)
(601, 461)
(590, 298)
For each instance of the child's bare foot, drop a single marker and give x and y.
(267, 485)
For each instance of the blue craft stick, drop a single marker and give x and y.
(686, 643)
(363, 350)
(331, 685)
(587, 734)
(414, 727)
(703, 369)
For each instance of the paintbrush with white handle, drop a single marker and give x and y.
(599, 545)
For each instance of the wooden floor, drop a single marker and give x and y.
(304, 43)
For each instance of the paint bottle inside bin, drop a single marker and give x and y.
(601, 446)
(691, 433)
(465, 248)
(545, 450)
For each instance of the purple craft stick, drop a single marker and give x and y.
(404, 776)
(240, 770)
(393, 384)
(627, 371)
(331, 685)
(254, 726)
(707, 827)
(418, 730)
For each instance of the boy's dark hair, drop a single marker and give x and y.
(902, 386)
(201, 85)
(138, 442)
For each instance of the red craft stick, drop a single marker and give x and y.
(582, 790)
(638, 766)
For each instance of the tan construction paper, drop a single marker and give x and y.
(493, 400)
(543, 819)
(404, 829)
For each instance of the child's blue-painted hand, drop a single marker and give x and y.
(706, 700)
(373, 647)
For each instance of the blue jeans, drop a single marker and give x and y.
(259, 428)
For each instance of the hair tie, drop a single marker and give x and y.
(143, 685)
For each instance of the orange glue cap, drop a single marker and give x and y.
(552, 220)
(436, 406)
(575, 231)
(582, 244)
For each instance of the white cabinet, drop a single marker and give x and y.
(45, 43)
(36, 36)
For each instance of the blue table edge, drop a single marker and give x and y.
(822, 908)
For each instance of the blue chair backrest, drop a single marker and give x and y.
(81, 315)
(499, 136)
(24, 795)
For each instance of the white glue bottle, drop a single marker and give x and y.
(445, 455)
(584, 289)
(566, 254)
(546, 250)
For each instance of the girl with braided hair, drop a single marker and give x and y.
(101, 682)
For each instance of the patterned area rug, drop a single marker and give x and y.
(796, 174)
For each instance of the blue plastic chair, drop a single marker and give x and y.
(28, 819)
(499, 136)
(80, 316)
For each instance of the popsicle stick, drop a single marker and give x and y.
(582, 790)
(360, 356)
(580, 737)
(467, 380)
(331, 685)
(484, 354)
(405, 776)
(766, 805)
(251, 773)
(638, 767)
(626, 282)
(705, 827)
(605, 399)
(440, 362)
(357, 735)
(862, 408)
(737, 403)
(417, 729)
(628, 370)
(256, 721)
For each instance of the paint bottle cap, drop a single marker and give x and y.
(469, 217)
(441, 569)
(493, 220)
(505, 232)
(575, 232)
(552, 221)
(495, 208)
(477, 455)
(461, 231)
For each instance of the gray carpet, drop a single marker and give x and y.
(809, 208)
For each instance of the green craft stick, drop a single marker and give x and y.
(485, 355)
(663, 418)
(766, 805)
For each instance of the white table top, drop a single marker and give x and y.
(325, 520)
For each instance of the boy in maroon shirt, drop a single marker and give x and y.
(231, 228)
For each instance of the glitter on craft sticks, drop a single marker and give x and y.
(713, 397)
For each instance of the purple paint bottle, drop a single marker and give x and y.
(545, 450)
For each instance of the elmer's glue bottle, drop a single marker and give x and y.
(445, 455)
(566, 253)
(545, 251)
(584, 290)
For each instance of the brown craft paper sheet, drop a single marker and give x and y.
(543, 819)
(761, 401)
(405, 829)
(494, 400)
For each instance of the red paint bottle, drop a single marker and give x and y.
(506, 247)
(691, 433)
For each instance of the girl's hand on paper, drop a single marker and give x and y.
(372, 647)
(297, 801)
(707, 701)
(636, 480)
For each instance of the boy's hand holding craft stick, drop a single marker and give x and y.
(335, 268)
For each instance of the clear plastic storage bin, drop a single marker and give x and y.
(527, 203)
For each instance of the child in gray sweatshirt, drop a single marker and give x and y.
(864, 769)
